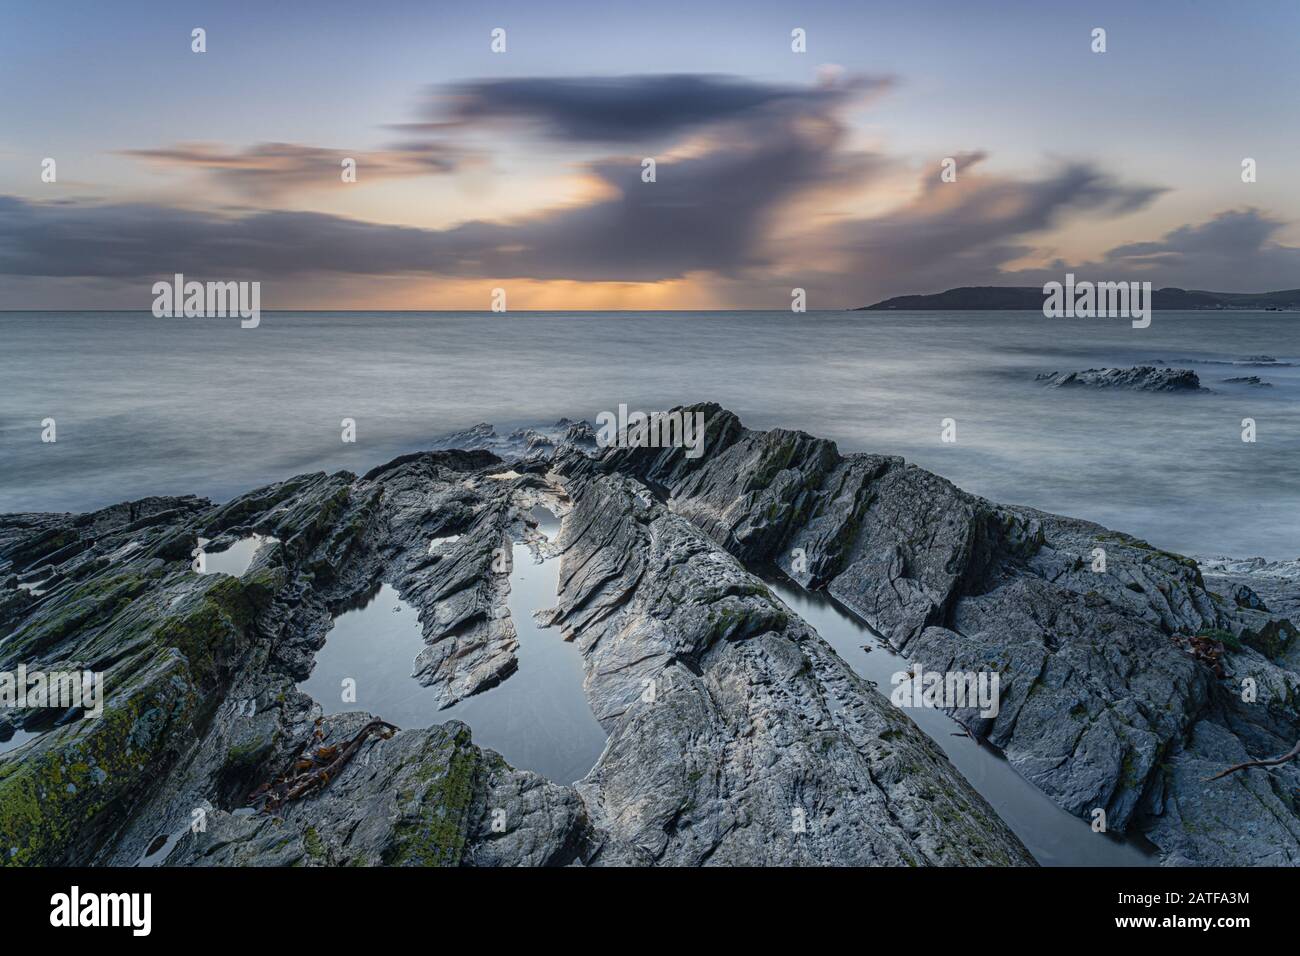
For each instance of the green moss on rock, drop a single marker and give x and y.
(57, 798)
(436, 812)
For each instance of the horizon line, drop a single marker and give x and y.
(853, 308)
(489, 312)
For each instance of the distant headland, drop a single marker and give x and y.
(994, 297)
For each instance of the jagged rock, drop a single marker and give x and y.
(731, 721)
(199, 670)
(482, 436)
(755, 717)
(460, 589)
(735, 734)
(1243, 596)
(1269, 587)
(422, 798)
(534, 444)
(578, 434)
(1286, 570)
(1143, 378)
(1099, 701)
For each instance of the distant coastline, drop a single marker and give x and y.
(1003, 298)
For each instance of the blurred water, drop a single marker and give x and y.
(177, 406)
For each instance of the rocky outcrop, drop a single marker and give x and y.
(1142, 378)
(757, 745)
(1105, 706)
(1128, 675)
(1252, 380)
(1272, 587)
(736, 735)
(525, 443)
(426, 797)
(200, 673)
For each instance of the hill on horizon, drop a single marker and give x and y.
(1005, 298)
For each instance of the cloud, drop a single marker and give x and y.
(1234, 251)
(270, 170)
(137, 240)
(1237, 249)
(966, 232)
(705, 213)
(744, 156)
(709, 210)
(626, 110)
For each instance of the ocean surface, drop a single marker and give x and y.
(176, 406)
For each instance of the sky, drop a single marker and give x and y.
(524, 169)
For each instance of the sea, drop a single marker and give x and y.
(145, 406)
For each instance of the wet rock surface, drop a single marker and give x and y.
(200, 669)
(1252, 380)
(758, 745)
(1142, 378)
(735, 734)
(1105, 705)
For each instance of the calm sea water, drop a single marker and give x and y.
(153, 406)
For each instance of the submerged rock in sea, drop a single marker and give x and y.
(1252, 380)
(1262, 361)
(735, 734)
(1142, 378)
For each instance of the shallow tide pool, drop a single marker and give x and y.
(237, 558)
(538, 718)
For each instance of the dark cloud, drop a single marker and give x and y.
(708, 211)
(270, 170)
(1236, 250)
(705, 213)
(965, 232)
(136, 240)
(625, 110)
